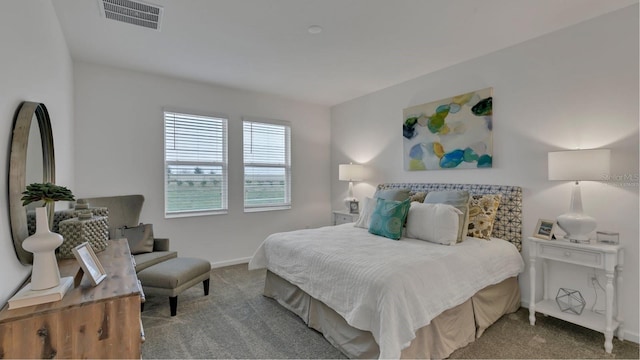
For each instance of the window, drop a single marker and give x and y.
(267, 165)
(195, 162)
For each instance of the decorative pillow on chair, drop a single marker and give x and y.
(388, 218)
(437, 223)
(140, 238)
(459, 200)
(482, 214)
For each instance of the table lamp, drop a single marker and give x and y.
(350, 172)
(578, 165)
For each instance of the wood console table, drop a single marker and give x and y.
(89, 322)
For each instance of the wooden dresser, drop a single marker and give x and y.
(89, 322)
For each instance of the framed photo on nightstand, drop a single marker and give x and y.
(354, 207)
(545, 229)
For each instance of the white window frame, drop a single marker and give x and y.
(287, 167)
(224, 164)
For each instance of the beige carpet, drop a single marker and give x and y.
(236, 322)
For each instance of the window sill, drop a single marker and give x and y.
(195, 214)
(267, 208)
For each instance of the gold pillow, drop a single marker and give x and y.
(482, 214)
(417, 196)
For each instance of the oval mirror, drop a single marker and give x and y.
(32, 160)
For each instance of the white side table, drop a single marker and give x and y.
(609, 258)
(343, 217)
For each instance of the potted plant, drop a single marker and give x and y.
(48, 193)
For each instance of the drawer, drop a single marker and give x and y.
(575, 256)
(343, 219)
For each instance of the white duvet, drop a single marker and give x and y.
(390, 288)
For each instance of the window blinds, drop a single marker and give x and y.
(267, 165)
(195, 164)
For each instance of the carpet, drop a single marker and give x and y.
(236, 322)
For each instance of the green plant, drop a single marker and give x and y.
(47, 192)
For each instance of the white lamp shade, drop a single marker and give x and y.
(576, 165)
(350, 172)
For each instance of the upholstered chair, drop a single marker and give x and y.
(125, 210)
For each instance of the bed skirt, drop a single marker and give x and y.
(451, 330)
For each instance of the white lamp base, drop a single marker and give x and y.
(349, 198)
(577, 226)
(575, 223)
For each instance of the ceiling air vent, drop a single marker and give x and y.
(132, 12)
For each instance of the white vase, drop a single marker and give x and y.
(42, 244)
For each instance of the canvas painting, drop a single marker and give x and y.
(452, 133)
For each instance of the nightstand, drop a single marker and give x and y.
(609, 258)
(343, 217)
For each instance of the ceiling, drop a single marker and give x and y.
(264, 45)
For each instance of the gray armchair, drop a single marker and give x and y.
(125, 211)
(161, 272)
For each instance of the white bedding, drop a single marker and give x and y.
(390, 288)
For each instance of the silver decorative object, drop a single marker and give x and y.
(608, 237)
(570, 300)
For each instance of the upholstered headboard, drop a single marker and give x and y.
(508, 223)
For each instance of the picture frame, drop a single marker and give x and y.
(354, 207)
(545, 229)
(89, 263)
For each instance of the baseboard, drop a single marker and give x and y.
(230, 262)
(634, 337)
(628, 336)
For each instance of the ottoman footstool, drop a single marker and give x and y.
(173, 276)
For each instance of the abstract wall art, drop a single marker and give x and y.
(452, 133)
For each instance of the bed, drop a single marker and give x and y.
(372, 297)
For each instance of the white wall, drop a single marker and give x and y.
(35, 66)
(575, 88)
(120, 151)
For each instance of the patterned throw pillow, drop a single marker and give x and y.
(482, 214)
(388, 218)
(417, 196)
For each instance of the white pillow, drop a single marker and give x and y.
(368, 206)
(437, 223)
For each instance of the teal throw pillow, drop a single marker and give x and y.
(389, 217)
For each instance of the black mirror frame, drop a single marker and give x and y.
(18, 164)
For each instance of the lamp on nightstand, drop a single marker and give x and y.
(577, 165)
(350, 172)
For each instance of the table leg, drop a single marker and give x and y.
(545, 279)
(532, 300)
(608, 332)
(619, 299)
